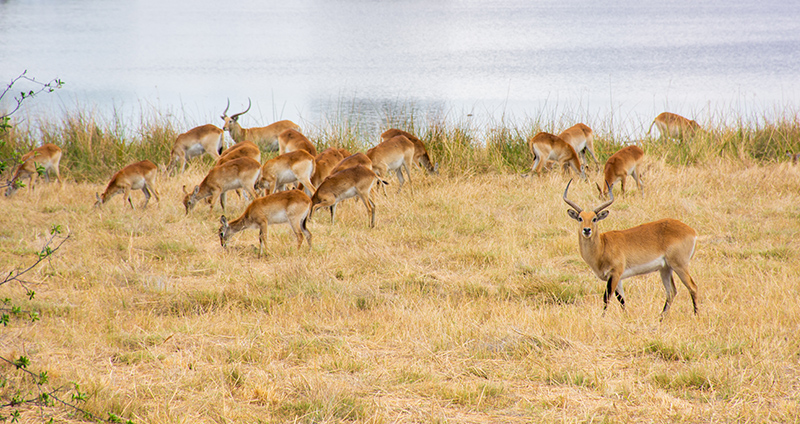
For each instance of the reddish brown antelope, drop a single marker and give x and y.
(266, 137)
(621, 164)
(292, 140)
(671, 125)
(421, 156)
(198, 140)
(136, 176)
(393, 155)
(666, 245)
(581, 138)
(352, 161)
(239, 173)
(243, 149)
(292, 167)
(343, 185)
(324, 163)
(291, 207)
(46, 157)
(545, 147)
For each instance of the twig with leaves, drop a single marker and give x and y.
(49, 87)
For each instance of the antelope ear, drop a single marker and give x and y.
(223, 220)
(573, 214)
(602, 215)
(196, 190)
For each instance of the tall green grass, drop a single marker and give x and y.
(96, 145)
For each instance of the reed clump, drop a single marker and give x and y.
(468, 302)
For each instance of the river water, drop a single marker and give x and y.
(620, 61)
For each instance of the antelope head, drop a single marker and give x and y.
(233, 118)
(588, 219)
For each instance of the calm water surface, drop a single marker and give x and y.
(301, 60)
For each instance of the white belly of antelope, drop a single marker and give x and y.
(645, 268)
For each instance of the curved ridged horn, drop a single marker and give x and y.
(570, 202)
(234, 117)
(224, 114)
(609, 202)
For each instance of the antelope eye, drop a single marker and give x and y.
(580, 219)
(594, 219)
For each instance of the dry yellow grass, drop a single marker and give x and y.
(468, 302)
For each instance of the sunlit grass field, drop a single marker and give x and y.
(468, 302)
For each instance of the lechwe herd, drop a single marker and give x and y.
(335, 175)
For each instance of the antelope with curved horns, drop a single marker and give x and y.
(624, 162)
(351, 182)
(581, 138)
(545, 146)
(665, 246)
(239, 173)
(243, 149)
(136, 176)
(48, 156)
(297, 166)
(266, 137)
(395, 154)
(198, 140)
(292, 140)
(672, 125)
(292, 207)
(421, 156)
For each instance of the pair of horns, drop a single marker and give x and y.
(597, 209)
(249, 103)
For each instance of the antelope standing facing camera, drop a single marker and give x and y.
(393, 155)
(136, 176)
(621, 164)
(545, 146)
(292, 140)
(266, 137)
(351, 182)
(292, 207)
(239, 173)
(581, 138)
(48, 156)
(198, 140)
(671, 125)
(666, 245)
(292, 167)
(421, 156)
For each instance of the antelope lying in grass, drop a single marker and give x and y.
(239, 173)
(545, 147)
(674, 126)
(292, 167)
(46, 158)
(581, 138)
(393, 155)
(266, 137)
(292, 207)
(136, 176)
(421, 156)
(324, 164)
(198, 140)
(621, 164)
(666, 245)
(351, 182)
(292, 140)
(243, 149)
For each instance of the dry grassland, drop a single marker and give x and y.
(469, 302)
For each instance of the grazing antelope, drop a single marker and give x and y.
(343, 185)
(297, 166)
(292, 207)
(581, 138)
(243, 149)
(324, 163)
(239, 173)
(621, 164)
(198, 140)
(136, 176)
(546, 146)
(674, 126)
(292, 140)
(266, 137)
(666, 245)
(48, 156)
(394, 154)
(421, 156)
(352, 161)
